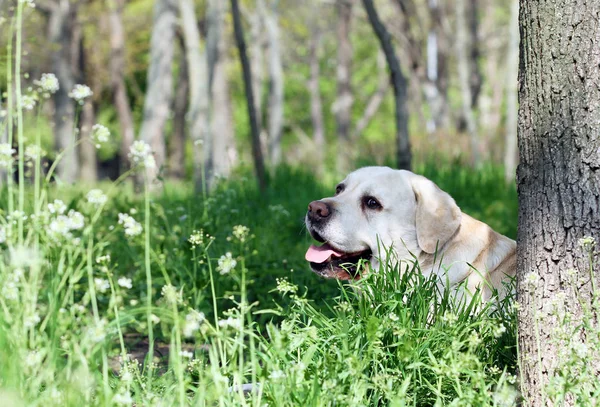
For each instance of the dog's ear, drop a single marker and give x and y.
(437, 216)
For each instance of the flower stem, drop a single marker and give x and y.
(148, 279)
(21, 201)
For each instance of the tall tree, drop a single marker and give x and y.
(275, 111)
(316, 104)
(464, 75)
(198, 114)
(512, 62)
(117, 77)
(399, 83)
(559, 189)
(159, 82)
(342, 106)
(256, 147)
(176, 148)
(61, 24)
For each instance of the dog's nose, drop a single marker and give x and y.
(318, 210)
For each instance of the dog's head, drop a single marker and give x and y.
(374, 210)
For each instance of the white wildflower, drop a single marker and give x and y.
(48, 83)
(6, 155)
(531, 280)
(580, 349)
(284, 286)
(186, 354)
(241, 232)
(125, 282)
(2, 234)
(97, 332)
(33, 358)
(31, 320)
(80, 93)
(231, 323)
(499, 330)
(76, 220)
(171, 294)
(34, 152)
(10, 291)
(123, 398)
(103, 259)
(131, 226)
(276, 375)
(587, 243)
(100, 135)
(155, 319)
(102, 285)
(140, 153)
(226, 263)
(61, 226)
(393, 317)
(193, 320)
(449, 317)
(57, 206)
(96, 197)
(29, 3)
(27, 102)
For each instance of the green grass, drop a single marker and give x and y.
(67, 323)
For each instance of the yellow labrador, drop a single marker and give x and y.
(378, 207)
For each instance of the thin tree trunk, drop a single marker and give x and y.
(475, 78)
(342, 107)
(117, 75)
(198, 114)
(316, 105)
(559, 200)
(257, 59)
(512, 67)
(87, 149)
(60, 34)
(275, 85)
(180, 107)
(222, 130)
(256, 148)
(462, 45)
(159, 82)
(399, 83)
(376, 99)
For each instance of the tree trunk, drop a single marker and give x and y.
(159, 82)
(316, 105)
(462, 45)
(559, 198)
(60, 34)
(198, 114)
(117, 75)
(512, 68)
(256, 148)
(87, 149)
(376, 99)
(180, 107)
(342, 107)
(475, 78)
(399, 83)
(257, 44)
(275, 85)
(222, 129)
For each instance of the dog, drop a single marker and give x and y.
(378, 212)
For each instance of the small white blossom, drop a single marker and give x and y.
(276, 375)
(499, 330)
(155, 319)
(393, 317)
(284, 286)
(76, 220)
(140, 153)
(27, 102)
(48, 83)
(531, 280)
(131, 226)
(33, 358)
(580, 349)
(193, 320)
(186, 354)
(96, 197)
(10, 291)
(226, 263)
(6, 155)
(171, 294)
(125, 282)
(231, 323)
(97, 332)
(80, 93)
(123, 399)
(2, 234)
(61, 226)
(34, 152)
(587, 243)
(29, 3)
(57, 206)
(102, 285)
(100, 135)
(31, 320)
(241, 232)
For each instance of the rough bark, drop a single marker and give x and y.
(464, 74)
(512, 68)
(224, 151)
(342, 107)
(399, 83)
(275, 111)
(316, 104)
(117, 75)
(255, 132)
(180, 107)
(558, 181)
(159, 82)
(60, 34)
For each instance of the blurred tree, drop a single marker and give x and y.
(372, 106)
(475, 78)
(316, 104)
(117, 78)
(403, 153)
(176, 147)
(342, 107)
(512, 62)
(275, 110)
(559, 198)
(159, 82)
(61, 27)
(256, 147)
(257, 46)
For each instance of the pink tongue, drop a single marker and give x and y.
(320, 254)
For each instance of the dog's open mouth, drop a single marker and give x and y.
(329, 262)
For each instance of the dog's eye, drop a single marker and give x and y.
(339, 189)
(371, 203)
